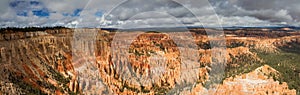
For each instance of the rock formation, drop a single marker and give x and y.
(56, 61)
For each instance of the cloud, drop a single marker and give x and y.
(274, 11)
(184, 12)
(89, 13)
(64, 6)
(18, 13)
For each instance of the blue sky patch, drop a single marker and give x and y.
(41, 13)
(74, 14)
(65, 14)
(22, 14)
(15, 3)
(99, 13)
(34, 3)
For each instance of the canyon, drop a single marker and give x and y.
(100, 61)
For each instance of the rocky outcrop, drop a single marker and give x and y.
(58, 61)
(36, 61)
(258, 81)
(9, 88)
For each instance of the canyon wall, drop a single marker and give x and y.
(56, 61)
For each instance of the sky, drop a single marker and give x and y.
(148, 13)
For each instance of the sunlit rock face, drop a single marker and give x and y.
(259, 81)
(38, 61)
(57, 61)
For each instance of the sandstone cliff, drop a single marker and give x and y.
(153, 63)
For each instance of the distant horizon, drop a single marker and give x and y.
(197, 26)
(182, 27)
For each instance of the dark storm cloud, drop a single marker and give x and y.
(268, 10)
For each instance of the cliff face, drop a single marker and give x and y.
(36, 61)
(259, 81)
(56, 61)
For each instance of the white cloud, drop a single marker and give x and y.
(64, 6)
(230, 13)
